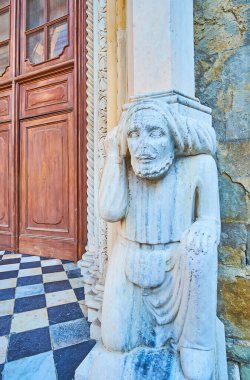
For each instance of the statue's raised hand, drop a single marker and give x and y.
(115, 144)
(111, 143)
(201, 237)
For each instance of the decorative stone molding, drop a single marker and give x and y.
(94, 259)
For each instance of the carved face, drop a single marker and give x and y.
(150, 144)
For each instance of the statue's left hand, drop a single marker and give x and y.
(201, 237)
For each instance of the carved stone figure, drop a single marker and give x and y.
(159, 307)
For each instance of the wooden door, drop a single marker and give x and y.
(42, 134)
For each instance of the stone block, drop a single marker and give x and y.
(220, 26)
(234, 302)
(245, 372)
(233, 371)
(248, 246)
(233, 159)
(238, 351)
(227, 93)
(234, 235)
(233, 244)
(232, 200)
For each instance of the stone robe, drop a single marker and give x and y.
(160, 292)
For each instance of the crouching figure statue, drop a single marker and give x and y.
(159, 306)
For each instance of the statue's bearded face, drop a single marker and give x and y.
(150, 144)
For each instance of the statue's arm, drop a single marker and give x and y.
(208, 204)
(204, 233)
(113, 188)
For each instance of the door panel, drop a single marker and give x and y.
(48, 182)
(4, 177)
(5, 105)
(47, 95)
(6, 167)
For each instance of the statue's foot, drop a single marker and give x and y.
(197, 364)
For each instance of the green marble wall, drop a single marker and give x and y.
(222, 64)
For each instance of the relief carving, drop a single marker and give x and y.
(4, 106)
(159, 307)
(47, 95)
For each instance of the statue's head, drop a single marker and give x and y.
(150, 143)
(155, 135)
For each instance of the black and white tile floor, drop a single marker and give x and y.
(43, 332)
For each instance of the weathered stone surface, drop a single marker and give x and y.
(221, 48)
(238, 351)
(222, 51)
(232, 200)
(234, 306)
(245, 372)
(226, 92)
(233, 244)
(248, 247)
(233, 159)
(233, 371)
(220, 25)
(234, 235)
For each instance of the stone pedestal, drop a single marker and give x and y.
(144, 363)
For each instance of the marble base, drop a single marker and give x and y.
(139, 364)
(145, 363)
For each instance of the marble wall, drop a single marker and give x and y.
(222, 65)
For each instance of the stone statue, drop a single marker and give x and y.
(159, 307)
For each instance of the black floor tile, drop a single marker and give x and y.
(64, 313)
(56, 286)
(74, 273)
(7, 294)
(29, 343)
(5, 323)
(10, 261)
(52, 269)
(69, 358)
(45, 258)
(29, 303)
(32, 264)
(10, 274)
(29, 280)
(79, 292)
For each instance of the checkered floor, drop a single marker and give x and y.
(43, 332)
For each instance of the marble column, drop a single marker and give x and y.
(160, 47)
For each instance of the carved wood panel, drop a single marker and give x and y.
(47, 95)
(48, 182)
(5, 105)
(4, 177)
(6, 187)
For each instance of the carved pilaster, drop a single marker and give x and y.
(88, 259)
(94, 259)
